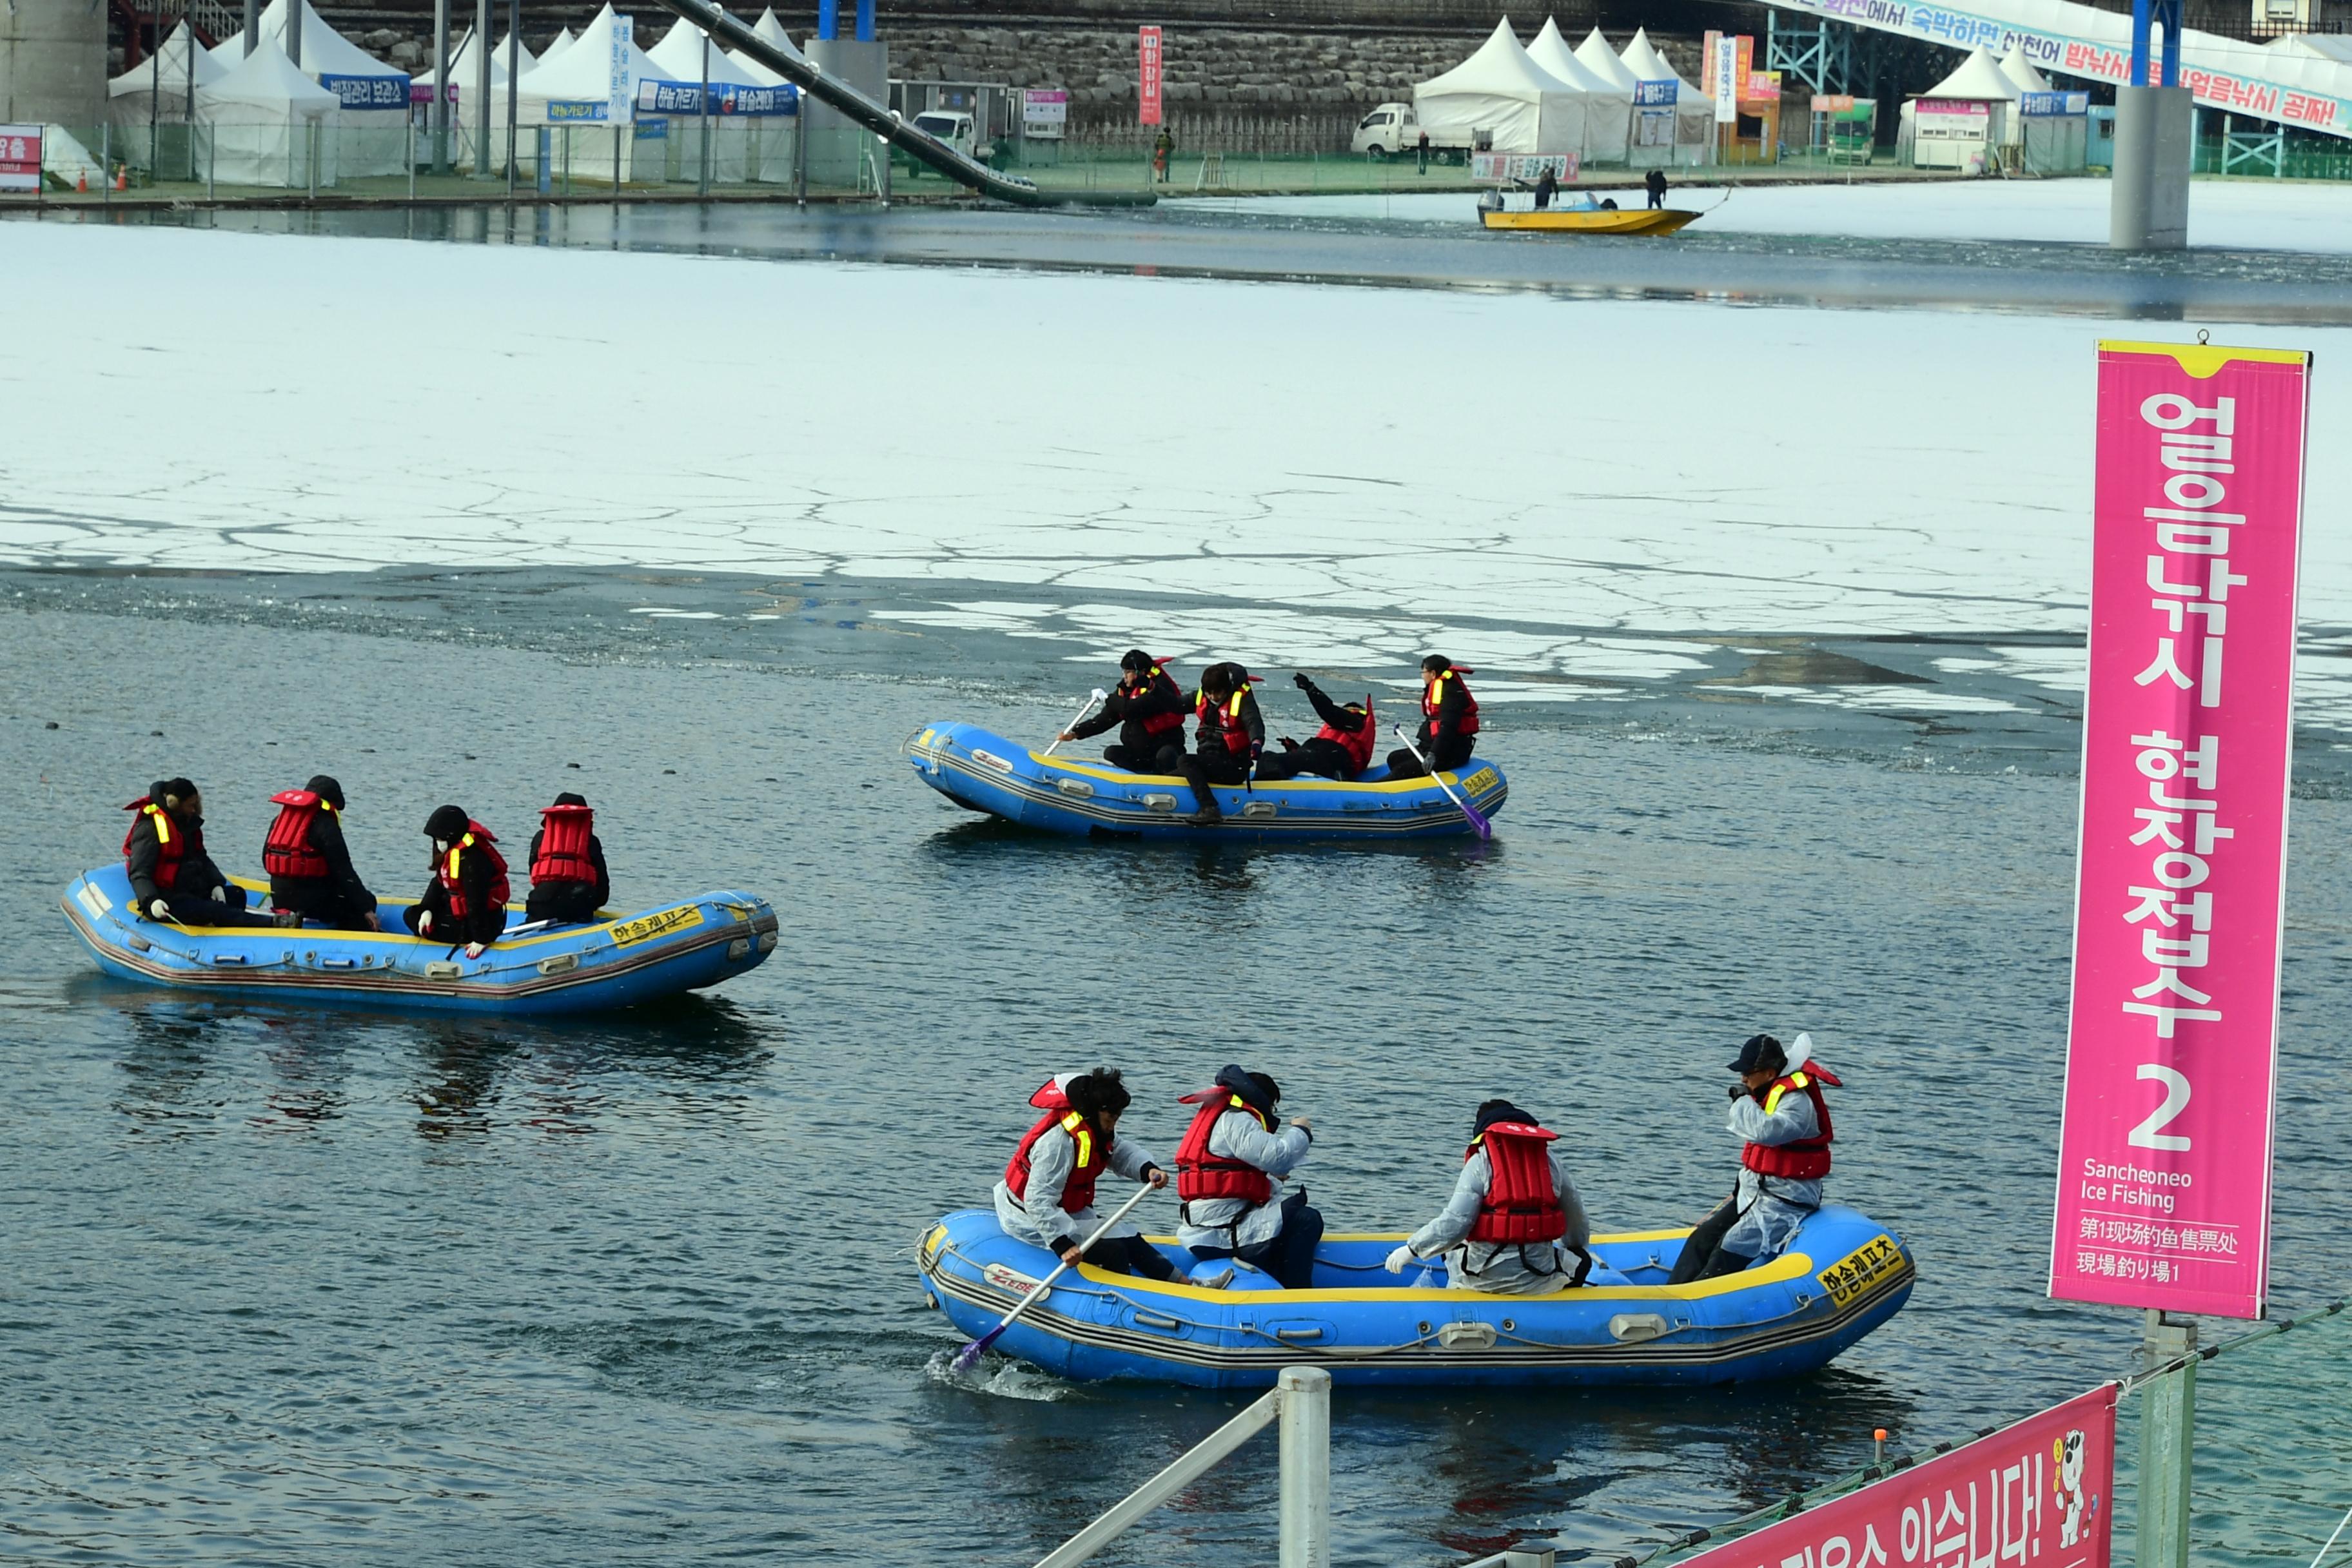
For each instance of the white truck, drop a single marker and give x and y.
(951, 126)
(1393, 130)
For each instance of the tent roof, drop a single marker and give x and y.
(167, 67)
(1642, 57)
(1551, 52)
(563, 40)
(1603, 61)
(2019, 69)
(1978, 78)
(586, 73)
(2336, 46)
(678, 56)
(1498, 68)
(747, 70)
(462, 62)
(325, 52)
(265, 78)
(768, 27)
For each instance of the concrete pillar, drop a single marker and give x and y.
(2148, 201)
(53, 63)
(2167, 1442)
(836, 146)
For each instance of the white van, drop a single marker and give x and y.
(948, 126)
(1387, 131)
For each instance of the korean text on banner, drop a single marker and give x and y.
(1726, 83)
(1147, 45)
(2164, 1161)
(20, 157)
(616, 100)
(2038, 1493)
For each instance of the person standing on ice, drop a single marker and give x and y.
(1449, 722)
(1047, 1196)
(1514, 1226)
(466, 899)
(1148, 706)
(1229, 1171)
(1782, 1122)
(1340, 750)
(1231, 735)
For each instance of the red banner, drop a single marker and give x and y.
(2163, 1163)
(20, 157)
(1148, 81)
(2035, 1495)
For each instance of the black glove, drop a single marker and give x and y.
(1300, 681)
(1738, 1090)
(1288, 744)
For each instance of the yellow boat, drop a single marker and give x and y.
(1589, 220)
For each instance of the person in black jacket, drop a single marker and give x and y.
(1449, 722)
(1148, 706)
(1654, 183)
(558, 892)
(466, 899)
(310, 865)
(1340, 751)
(171, 877)
(1230, 736)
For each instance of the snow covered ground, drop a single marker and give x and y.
(2241, 214)
(1325, 474)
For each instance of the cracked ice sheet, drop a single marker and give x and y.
(1357, 452)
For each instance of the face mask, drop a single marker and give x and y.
(441, 847)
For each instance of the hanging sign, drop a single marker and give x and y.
(20, 157)
(1148, 81)
(367, 92)
(1725, 80)
(1044, 113)
(2164, 1164)
(2040, 1493)
(1654, 94)
(624, 42)
(1499, 167)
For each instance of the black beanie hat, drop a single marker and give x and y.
(1135, 659)
(1496, 1110)
(568, 798)
(328, 790)
(446, 821)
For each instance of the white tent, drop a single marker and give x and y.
(571, 92)
(1962, 119)
(1694, 110)
(563, 40)
(269, 123)
(148, 101)
(372, 134)
(1608, 108)
(768, 27)
(1503, 100)
(681, 57)
(2022, 74)
(465, 61)
(772, 135)
(1601, 60)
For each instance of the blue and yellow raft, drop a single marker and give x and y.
(1842, 1276)
(983, 771)
(614, 963)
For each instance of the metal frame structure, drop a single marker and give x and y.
(2165, 14)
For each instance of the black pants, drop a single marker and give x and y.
(320, 899)
(1131, 1255)
(1702, 1255)
(1159, 759)
(1290, 1256)
(1202, 769)
(483, 925)
(1451, 754)
(565, 903)
(193, 909)
(1324, 759)
(1658, 200)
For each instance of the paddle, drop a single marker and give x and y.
(970, 1353)
(1084, 709)
(1477, 823)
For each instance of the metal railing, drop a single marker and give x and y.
(1301, 1399)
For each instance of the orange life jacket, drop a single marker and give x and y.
(1200, 1174)
(1807, 1159)
(1522, 1202)
(564, 839)
(1163, 684)
(287, 852)
(1093, 1153)
(476, 840)
(1223, 720)
(173, 840)
(1357, 743)
(1433, 698)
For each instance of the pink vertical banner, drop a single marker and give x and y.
(2039, 1492)
(1147, 47)
(2164, 1160)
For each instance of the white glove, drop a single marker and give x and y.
(473, 950)
(424, 922)
(220, 895)
(1399, 1258)
(159, 909)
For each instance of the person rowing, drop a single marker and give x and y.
(1148, 707)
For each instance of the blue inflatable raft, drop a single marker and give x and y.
(546, 968)
(984, 771)
(1844, 1276)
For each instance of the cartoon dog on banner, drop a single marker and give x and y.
(2068, 1457)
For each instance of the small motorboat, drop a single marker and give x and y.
(1589, 220)
(617, 962)
(983, 771)
(1842, 1276)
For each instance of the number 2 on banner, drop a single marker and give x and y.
(2150, 1133)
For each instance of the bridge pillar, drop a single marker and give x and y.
(53, 64)
(837, 147)
(2149, 205)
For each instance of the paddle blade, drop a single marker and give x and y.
(970, 1354)
(1477, 823)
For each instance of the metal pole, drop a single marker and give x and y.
(106, 164)
(800, 150)
(2166, 1439)
(514, 74)
(294, 32)
(188, 104)
(314, 159)
(1305, 1394)
(155, 102)
(440, 106)
(412, 157)
(616, 170)
(482, 88)
(252, 24)
(704, 103)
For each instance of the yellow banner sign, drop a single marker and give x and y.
(1862, 1270)
(625, 932)
(1479, 782)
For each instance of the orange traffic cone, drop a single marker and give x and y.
(81, 182)
(121, 177)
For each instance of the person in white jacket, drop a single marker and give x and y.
(1047, 1196)
(1514, 1226)
(1229, 1176)
(1782, 1121)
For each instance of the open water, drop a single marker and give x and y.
(305, 1286)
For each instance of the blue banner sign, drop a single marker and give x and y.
(1654, 94)
(726, 98)
(2047, 103)
(367, 92)
(653, 130)
(563, 110)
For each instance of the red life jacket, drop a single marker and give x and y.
(287, 852)
(1164, 684)
(1093, 1156)
(1200, 1174)
(173, 840)
(1522, 1202)
(1807, 1159)
(563, 845)
(478, 839)
(1357, 743)
(1223, 720)
(1433, 698)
